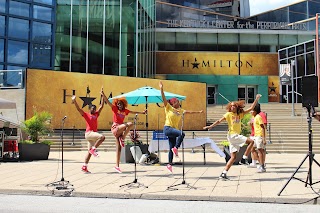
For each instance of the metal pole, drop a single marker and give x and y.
(292, 87)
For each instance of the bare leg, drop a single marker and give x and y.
(261, 157)
(249, 148)
(231, 161)
(118, 152)
(99, 141)
(87, 158)
(129, 127)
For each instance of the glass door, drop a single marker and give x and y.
(211, 94)
(246, 93)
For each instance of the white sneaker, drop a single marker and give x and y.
(261, 169)
(252, 165)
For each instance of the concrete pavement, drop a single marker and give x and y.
(246, 185)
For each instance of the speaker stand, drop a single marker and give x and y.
(309, 156)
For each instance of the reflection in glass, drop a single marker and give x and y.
(43, 13)
(19, 9)
(41, 32)
(40, 56)
(18, 28)
(2, 6)
(49, 2)
(2, 25)
(1, 50)
(17, 52)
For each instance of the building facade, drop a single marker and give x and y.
(26, 37)
(236, 56)
(210, 41)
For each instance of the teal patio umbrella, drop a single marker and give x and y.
(146, 95)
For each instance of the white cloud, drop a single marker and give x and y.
(20, 57)
(258, 6)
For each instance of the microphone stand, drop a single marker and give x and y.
(183, 175)
(62, 184)
(134, 183)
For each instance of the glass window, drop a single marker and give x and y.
(43, 13)
(2, 6)
(2, 25)
(1, 67)
(310, 63)
(19, 9)
(41, 32)
(44, 1)
(298, 12)
(313, 8)
(17, 52)
(300, 62)
(228, 42)
(41, 56)
(268, 43)
(287, 40)
(249, 42)
(1, 50)
(18, 28)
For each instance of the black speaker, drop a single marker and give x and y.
(310, 91)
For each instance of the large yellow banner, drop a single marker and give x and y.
(52, 91)
(217, 63)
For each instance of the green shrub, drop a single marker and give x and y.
(39, 124)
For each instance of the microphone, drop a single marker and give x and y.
(135, 117)
(64, 118)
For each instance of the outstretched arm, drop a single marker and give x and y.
(193, 112)
(106, 100)
(258, 96)
(215, 123)
(143, 112)
(162, 94)
(102, 102)
(74, 101)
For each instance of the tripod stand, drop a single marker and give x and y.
(62, 184)
(183, 175)
(309, 155)
(135, 182)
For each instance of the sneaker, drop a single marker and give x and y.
(94, 152)
(169, 167)
(121, 141)
(223, 176)
(117, 169)
(251, 165)
(85, 170)
(261, 169)
(244, 162)
(175, 151)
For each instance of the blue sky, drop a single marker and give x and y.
(259, 6)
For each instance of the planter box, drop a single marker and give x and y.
(126, 155)
(30, 152)
(239, 155)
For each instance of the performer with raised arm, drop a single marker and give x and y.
(171, 127)
(119, 128)
(92, 136)
(233, 117)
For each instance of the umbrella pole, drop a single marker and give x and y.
(183, 175)
(135, 182)
(147, 125)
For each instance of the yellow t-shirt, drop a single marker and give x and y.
(257, 126)
(173, 116)
(234, 122)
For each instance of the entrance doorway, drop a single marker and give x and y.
(246, 93)
(211, 94)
